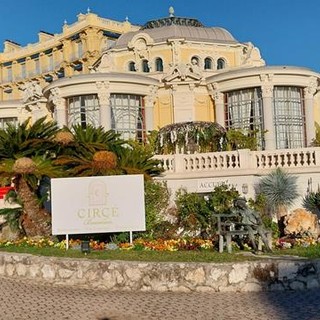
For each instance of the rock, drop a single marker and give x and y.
(7, 234)
(301, 221)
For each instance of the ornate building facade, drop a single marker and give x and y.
(171, 70)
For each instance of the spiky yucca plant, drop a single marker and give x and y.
(311, 202)
(280, 189)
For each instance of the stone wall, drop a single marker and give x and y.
(269, 274)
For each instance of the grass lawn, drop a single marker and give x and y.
(135, 255)
(212, 256)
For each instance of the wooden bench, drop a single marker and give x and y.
(228, 227)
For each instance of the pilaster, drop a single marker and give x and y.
(268, 113)
(60, 107)
(309, 93)
(149, 107)
(218, 98)
(104, 102)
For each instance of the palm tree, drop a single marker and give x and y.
(280, 190)
(98, 152)
(23, 154)
(77, 139)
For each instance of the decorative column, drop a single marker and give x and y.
(269, 135)
(59, 107)
(218, 98)
(308, 105)
(104, 102)
(148, 104)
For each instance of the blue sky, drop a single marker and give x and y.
(285, 31)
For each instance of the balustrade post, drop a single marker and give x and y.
(178, 163)
(316, 155)
(246, 159)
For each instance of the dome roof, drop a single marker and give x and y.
(176, 28)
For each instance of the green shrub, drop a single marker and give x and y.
(157, 198)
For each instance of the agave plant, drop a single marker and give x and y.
(280, 190)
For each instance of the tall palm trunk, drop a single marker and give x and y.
(34, 220)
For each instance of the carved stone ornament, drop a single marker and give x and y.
(106, 63)
(310, 90)
(103, 92)
(267, 90)
(183, 72)
(31, 91)
(55, 97)
(140, 45)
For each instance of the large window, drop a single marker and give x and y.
(83, 110)
(23, 70)
(244, 112)
(289, 117)
(37, 66)
(9, 74)
(128, 116)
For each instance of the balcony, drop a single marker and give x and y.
(240, 162)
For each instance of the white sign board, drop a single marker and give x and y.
(97, 204)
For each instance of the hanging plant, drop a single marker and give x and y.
(191, 137)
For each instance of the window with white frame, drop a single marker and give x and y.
(289, 117)
(244, 111)
(83, 110)
(50, 62)
(4, 122)
(128, 116)
(79, 49)
(23, 70)
(37, 66)
(9, 74)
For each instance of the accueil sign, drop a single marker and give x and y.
(97, 204)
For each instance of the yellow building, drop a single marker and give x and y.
(171, 70)
(54, 56)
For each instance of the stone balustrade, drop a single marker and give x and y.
(242, 159)
(262, 275)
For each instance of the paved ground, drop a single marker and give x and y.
(21, 300)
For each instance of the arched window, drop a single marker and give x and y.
(195, 60)
(221, 64)
(159, 64)
(207, 63)
(132, 66)
(145, 66)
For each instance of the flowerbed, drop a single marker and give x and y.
(139, 244)
(183, 244)
(288, 243)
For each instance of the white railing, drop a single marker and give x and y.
(240, 160)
